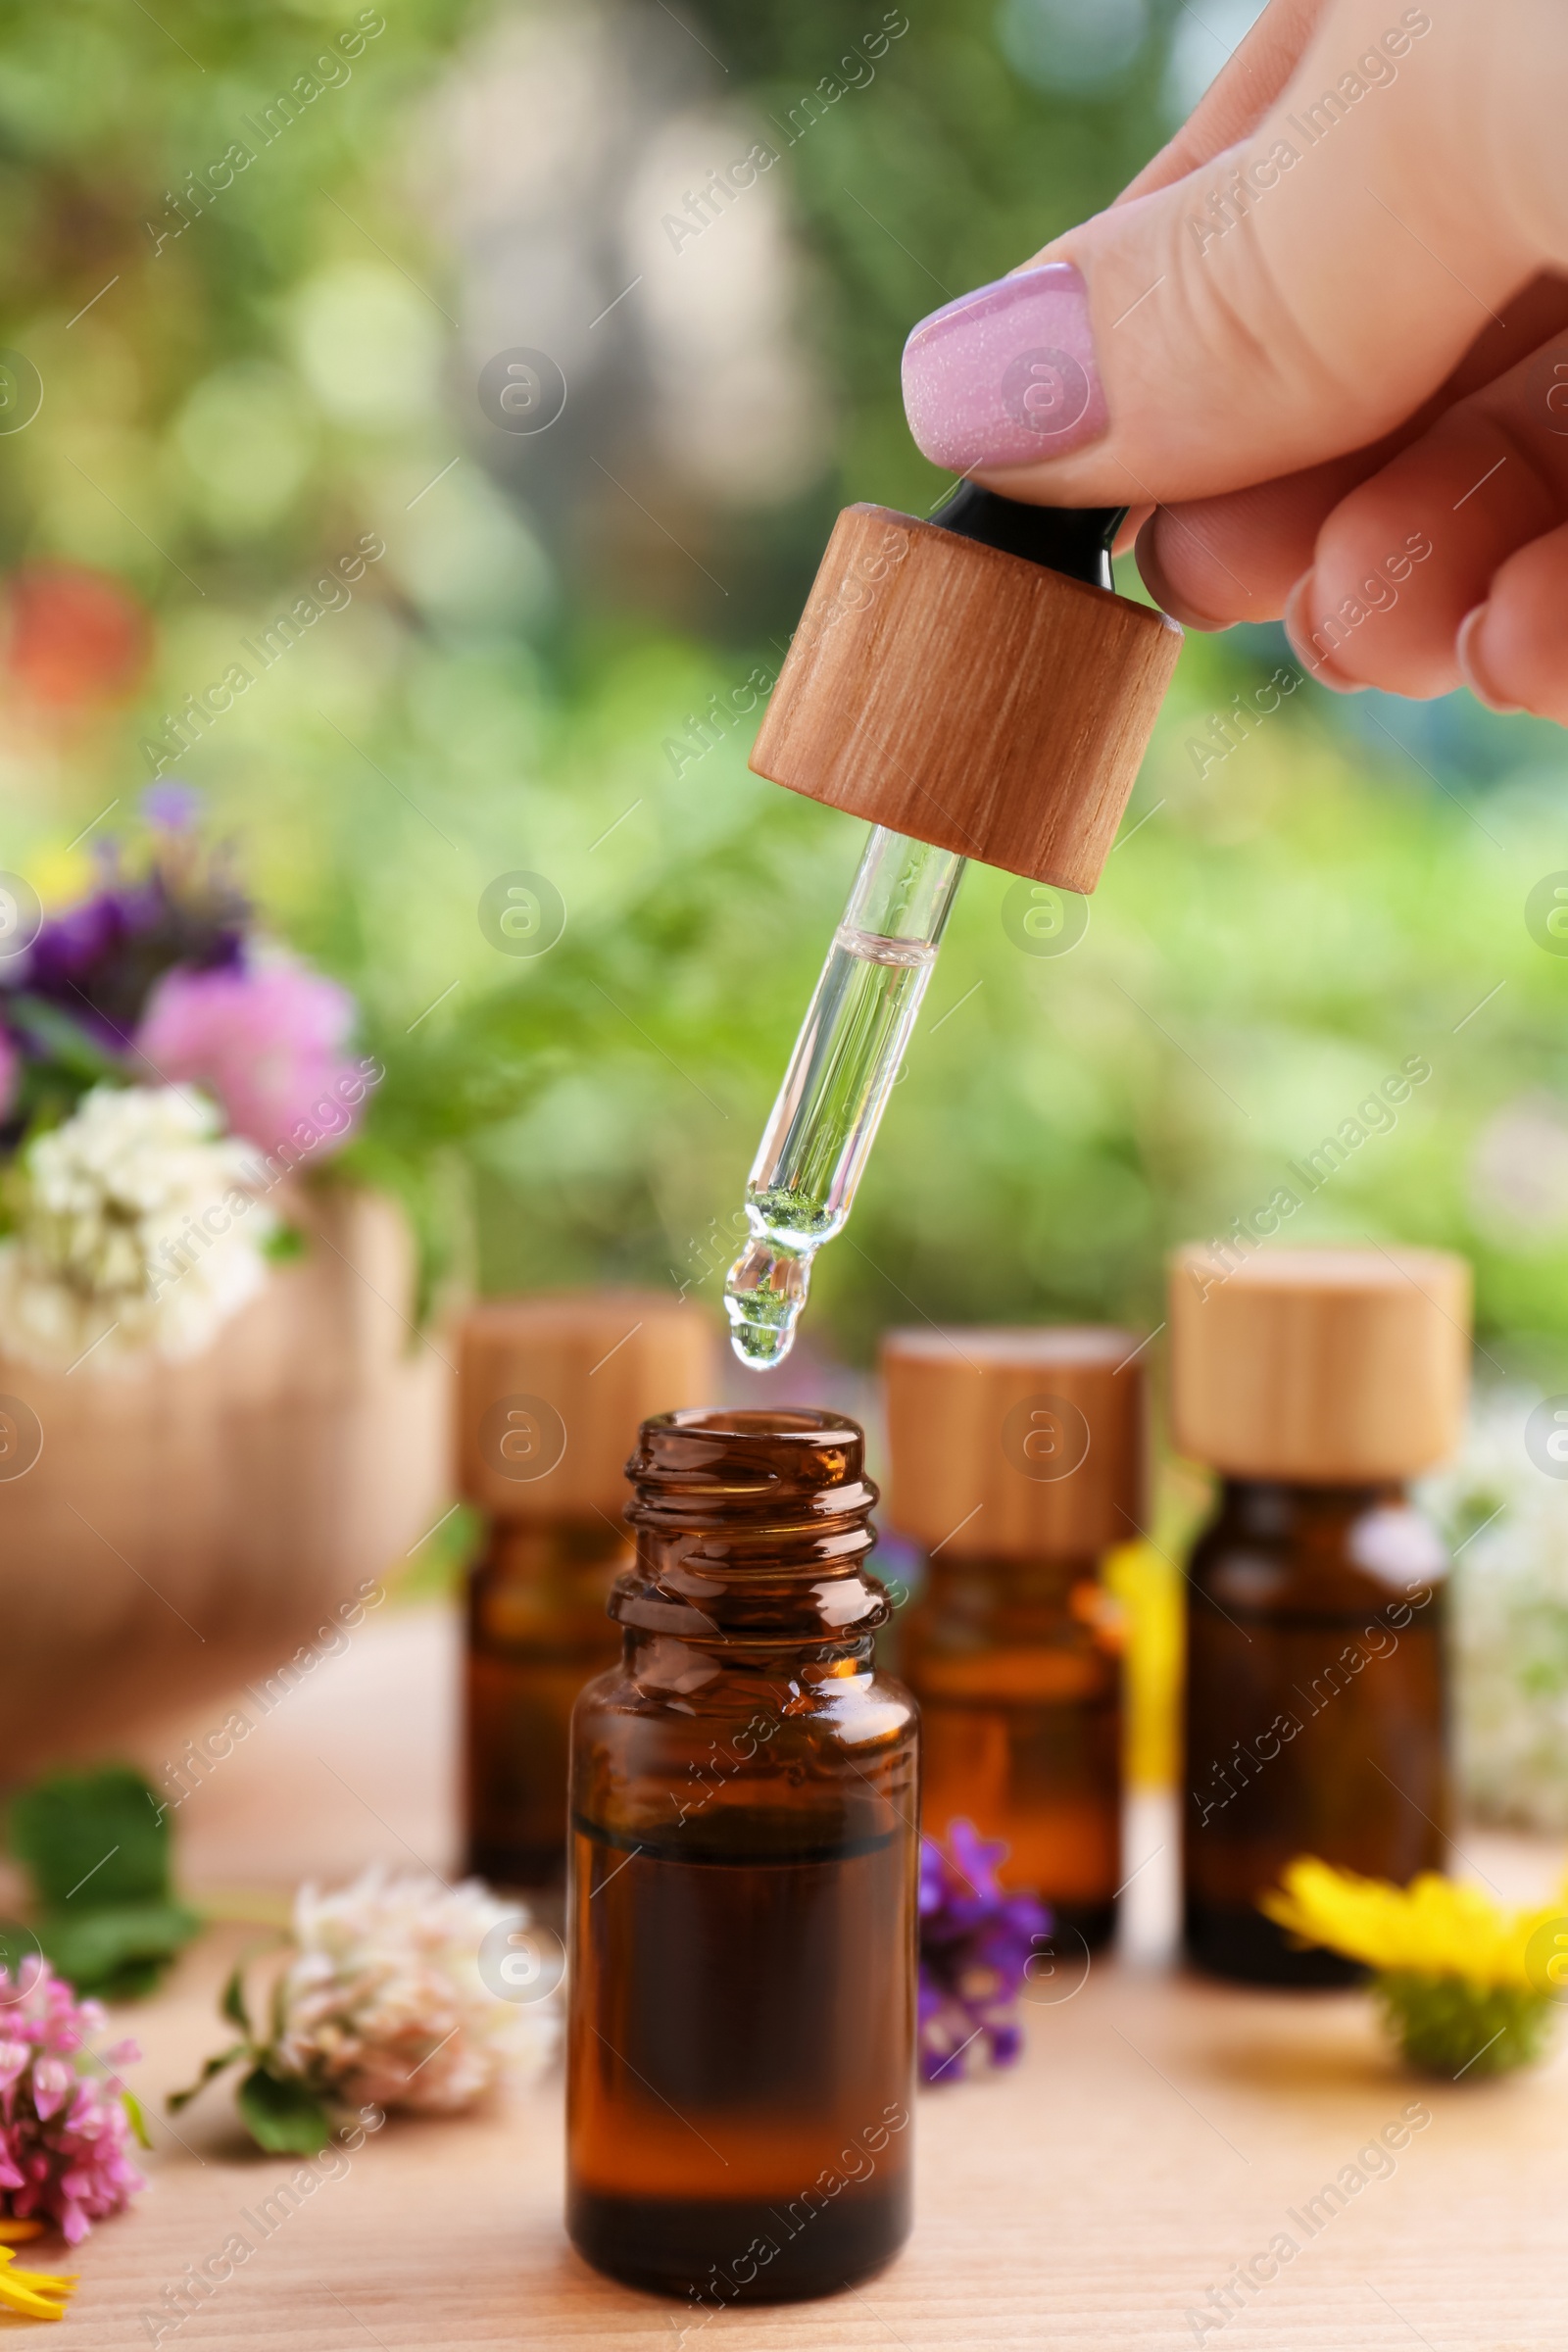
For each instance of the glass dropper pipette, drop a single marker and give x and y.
(852, 1040)
(842, 1071)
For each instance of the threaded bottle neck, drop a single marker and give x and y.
(753, 1528)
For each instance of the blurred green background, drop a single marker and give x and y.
(240, 376)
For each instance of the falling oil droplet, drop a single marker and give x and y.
(764, 1292)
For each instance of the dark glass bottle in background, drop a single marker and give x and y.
(1316, 1711)
(744, 1879)
(1017, 1461)
(551, 1393)
(537, 1632)
(1316, 1717)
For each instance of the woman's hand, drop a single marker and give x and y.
(1321, 345)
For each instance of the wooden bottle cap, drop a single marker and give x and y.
(1325, 1365)
(552, 1390)
(968, 697)
(1018, 1443)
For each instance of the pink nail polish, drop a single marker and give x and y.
(1007, 376)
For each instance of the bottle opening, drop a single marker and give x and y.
(760, 1422)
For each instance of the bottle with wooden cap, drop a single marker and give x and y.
(551, 1393)
(973, 686)
(744, 1879)
(1317, 1382)
(1017, 1460)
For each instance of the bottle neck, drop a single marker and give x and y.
(1001, 1579)
(753, 1531)
(1345, 1543)
(1069, 1568)
(526, 1548)
(1277, 1509)
(743, 1612)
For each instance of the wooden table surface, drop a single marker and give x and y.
(1157, 2132)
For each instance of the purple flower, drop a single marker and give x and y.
(100, 961)
(64, 2163)
(75, 953)
(170, 807)
(975, 1947)
(267, 1045)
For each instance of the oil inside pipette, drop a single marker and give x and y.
(846, 1060)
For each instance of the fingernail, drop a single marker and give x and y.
(1298, 629)
(1007, 376)
(1472, 667)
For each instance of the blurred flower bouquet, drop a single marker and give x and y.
(162, 1069)
(1504, 1508)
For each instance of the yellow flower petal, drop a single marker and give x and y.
(1434, 1926)
(36, 2294)
(12, 2233)
(60, 875)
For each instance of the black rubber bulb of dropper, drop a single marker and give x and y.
(1074, 540)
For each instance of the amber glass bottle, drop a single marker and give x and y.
(551, 1391)
(744, 1880)
(1316, 1381)
(1017, 1460)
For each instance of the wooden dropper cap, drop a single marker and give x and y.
(1322, 1366)
(552, 1390)
(1015, 1442)
(974, 683)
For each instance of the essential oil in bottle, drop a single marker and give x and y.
(1317, 1382)
(744, 1880)
(1017, 1460)
(551, 1393)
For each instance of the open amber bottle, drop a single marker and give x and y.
(744, 1880)
(1017, 1460)
(551, 1391)
(1317, 1381)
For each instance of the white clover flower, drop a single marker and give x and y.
(385, 2002)
(1509, 1522)
(137, 1232)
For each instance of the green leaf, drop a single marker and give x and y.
(17, 1944)
(232, 2005)
(93, 1839)
(284, 1244)
(132, 1981)
(119, 1949)
(135, 2115)
(178, 2100)
(61, 1039)
(282, 2114)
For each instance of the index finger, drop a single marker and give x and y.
(1239, 96)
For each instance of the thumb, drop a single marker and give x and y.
(1291, 299)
